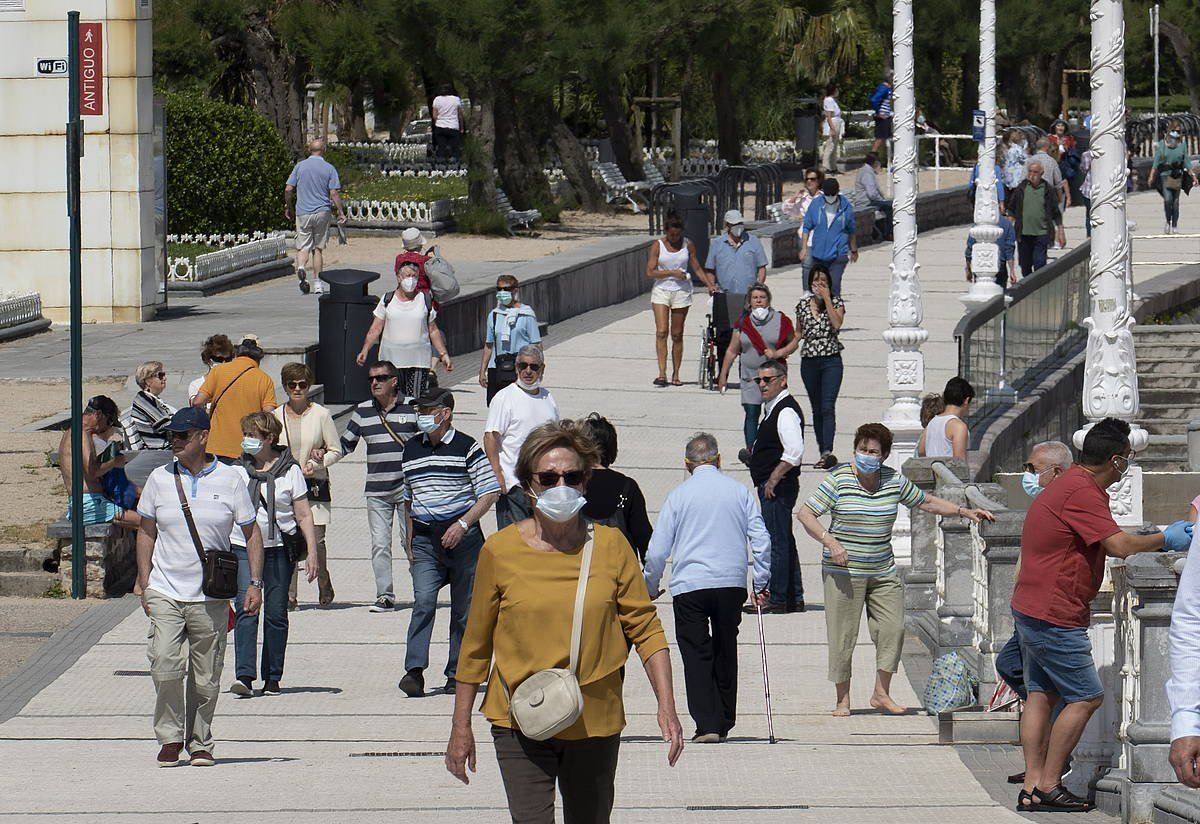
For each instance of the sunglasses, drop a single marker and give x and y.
(572, 478)
(299, 384)
(179, 436)
(379, 378)
(526, 365)
(161, 375)
(812, 179)
(766, 380)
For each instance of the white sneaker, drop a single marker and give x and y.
(1167, 230)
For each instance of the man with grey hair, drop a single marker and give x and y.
(315, 184)
(516, 410)
(704, 526)
(1036, 217)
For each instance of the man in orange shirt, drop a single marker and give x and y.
(234, 390)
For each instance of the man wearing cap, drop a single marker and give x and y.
(828, 234)
(448, 486)
(230, 392)
(188, 629)
(101, 452)
(316, 187)
(736, 258)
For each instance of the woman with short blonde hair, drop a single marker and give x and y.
(148, 415)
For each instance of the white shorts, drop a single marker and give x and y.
(312, 230)
(673, 298)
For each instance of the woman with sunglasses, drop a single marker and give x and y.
(521, 613)
(311, 436)
(764, 334)
(149, 415)
(217, 349)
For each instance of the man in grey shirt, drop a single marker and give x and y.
(314, 183)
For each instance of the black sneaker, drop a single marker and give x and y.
(413, 683)
(271, 688)
(383, 603)
(243, 688)
(449, 687)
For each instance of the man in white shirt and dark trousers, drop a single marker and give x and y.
(189, 630)
(704, 527)
(775, 470)
(385, 422)
(516, 410)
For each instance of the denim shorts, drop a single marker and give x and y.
(1057, 659)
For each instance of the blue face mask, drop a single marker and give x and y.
(504, 297)
(427, 423)
(1029, 482)
(867, 463)
(251, 446)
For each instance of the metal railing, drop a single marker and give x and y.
(20, 308)
(1001, 350)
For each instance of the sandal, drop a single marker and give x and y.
(1025, 802)
(1058, 800)
(660, 381)
(676, 382)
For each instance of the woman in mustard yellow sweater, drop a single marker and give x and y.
(521, 611)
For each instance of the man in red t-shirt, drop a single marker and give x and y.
(1068, 532)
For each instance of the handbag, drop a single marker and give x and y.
(442, 281)
(950, 686)
(549, 701)
(318, 488)
(1173, 182)
(219, 577)
(293, 542)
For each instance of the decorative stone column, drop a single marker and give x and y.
(1110, 386)
(906, 364)
(1001, 548)
(921, 575)
(985, 254)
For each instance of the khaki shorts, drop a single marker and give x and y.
(312, 230)
(673, 298)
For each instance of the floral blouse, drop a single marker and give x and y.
(820, 338)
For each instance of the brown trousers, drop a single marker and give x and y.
(584, 770)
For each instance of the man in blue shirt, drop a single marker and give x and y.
(705, 525)
(736, 258)
(314, 183)
(828, 234)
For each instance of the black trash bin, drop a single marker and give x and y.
(807, 119)
(688, 201)
(345, 315)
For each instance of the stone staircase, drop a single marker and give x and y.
(27, 572)
(1169, 390)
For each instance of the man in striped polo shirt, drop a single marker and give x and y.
(448, 486)
(385, 422)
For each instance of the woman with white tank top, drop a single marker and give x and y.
(667, 266)
(947, 433)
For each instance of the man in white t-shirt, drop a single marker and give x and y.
(446, 111)
(516, 410)
(832, 128)
(188, 629)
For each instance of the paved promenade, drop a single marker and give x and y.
(342, 743)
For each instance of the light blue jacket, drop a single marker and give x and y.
(829, 241)
(705, 526)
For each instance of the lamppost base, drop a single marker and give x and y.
(980, 292)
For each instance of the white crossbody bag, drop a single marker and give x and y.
(549, 701)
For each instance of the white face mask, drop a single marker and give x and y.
(252, 446)
(532, 385)
(408, 284)
(560, 503)
(760, 313)
(736, 230)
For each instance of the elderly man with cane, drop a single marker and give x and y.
(705, 526)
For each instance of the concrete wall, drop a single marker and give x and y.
(119, 282)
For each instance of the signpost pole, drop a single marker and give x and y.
(74, 152)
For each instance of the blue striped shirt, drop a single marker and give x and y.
(385, 443)
(443, 481)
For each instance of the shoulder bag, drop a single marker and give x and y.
(219, 566)
(318, 488)
(549, 701)
(442, 281)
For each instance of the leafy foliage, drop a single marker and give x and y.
(226, 166)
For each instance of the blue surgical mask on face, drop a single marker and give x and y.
(427, 423)
(867, 463)
(504, 297)
(251, 446)
(1029, 482)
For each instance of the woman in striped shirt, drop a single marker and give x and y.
(149, 415)
(857, 564)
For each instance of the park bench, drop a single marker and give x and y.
(110, 557)
(515, 217)
(652, 174)
(617, 188)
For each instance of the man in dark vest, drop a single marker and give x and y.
(775, 470)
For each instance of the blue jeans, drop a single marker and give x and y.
(1031, 253)
(822, 378)
(1171, 205)
(750, 423)
(1057, 660)
(786, 586)
(277, 576)
(432, 568)
(1011, 670)
(836, 267)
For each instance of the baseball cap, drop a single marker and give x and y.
(189, 418)
(434, 397)
(733, 217)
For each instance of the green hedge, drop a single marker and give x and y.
(226, 166)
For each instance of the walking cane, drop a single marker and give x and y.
(762, 648)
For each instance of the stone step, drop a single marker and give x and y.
(975, 726)
(22, 559)
(26, 584)
(1164, 445)
(1170, 411)
(1174, 331)
(1162, 426)
(1170, 397)
(1166, 349)
(1164, 379)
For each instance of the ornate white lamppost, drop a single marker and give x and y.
(906, 364)
(985, 254)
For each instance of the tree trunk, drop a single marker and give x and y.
(574, 163)
(1182, 45)
(1045, 79)
(278, 82)
(480, 148)
(729, 140)
(358, 113)
(517, 158)
(608, 95)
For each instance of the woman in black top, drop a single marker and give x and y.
(614, 499)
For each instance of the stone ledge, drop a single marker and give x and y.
(22, 330)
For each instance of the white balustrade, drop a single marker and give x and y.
(20, 308)
(224, 261)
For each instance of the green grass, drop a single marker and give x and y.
(1166, 103)
(188, 250)
(417, 189)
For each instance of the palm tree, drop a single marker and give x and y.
(825, 46)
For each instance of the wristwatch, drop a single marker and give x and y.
(256, 582)
(464, 524)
